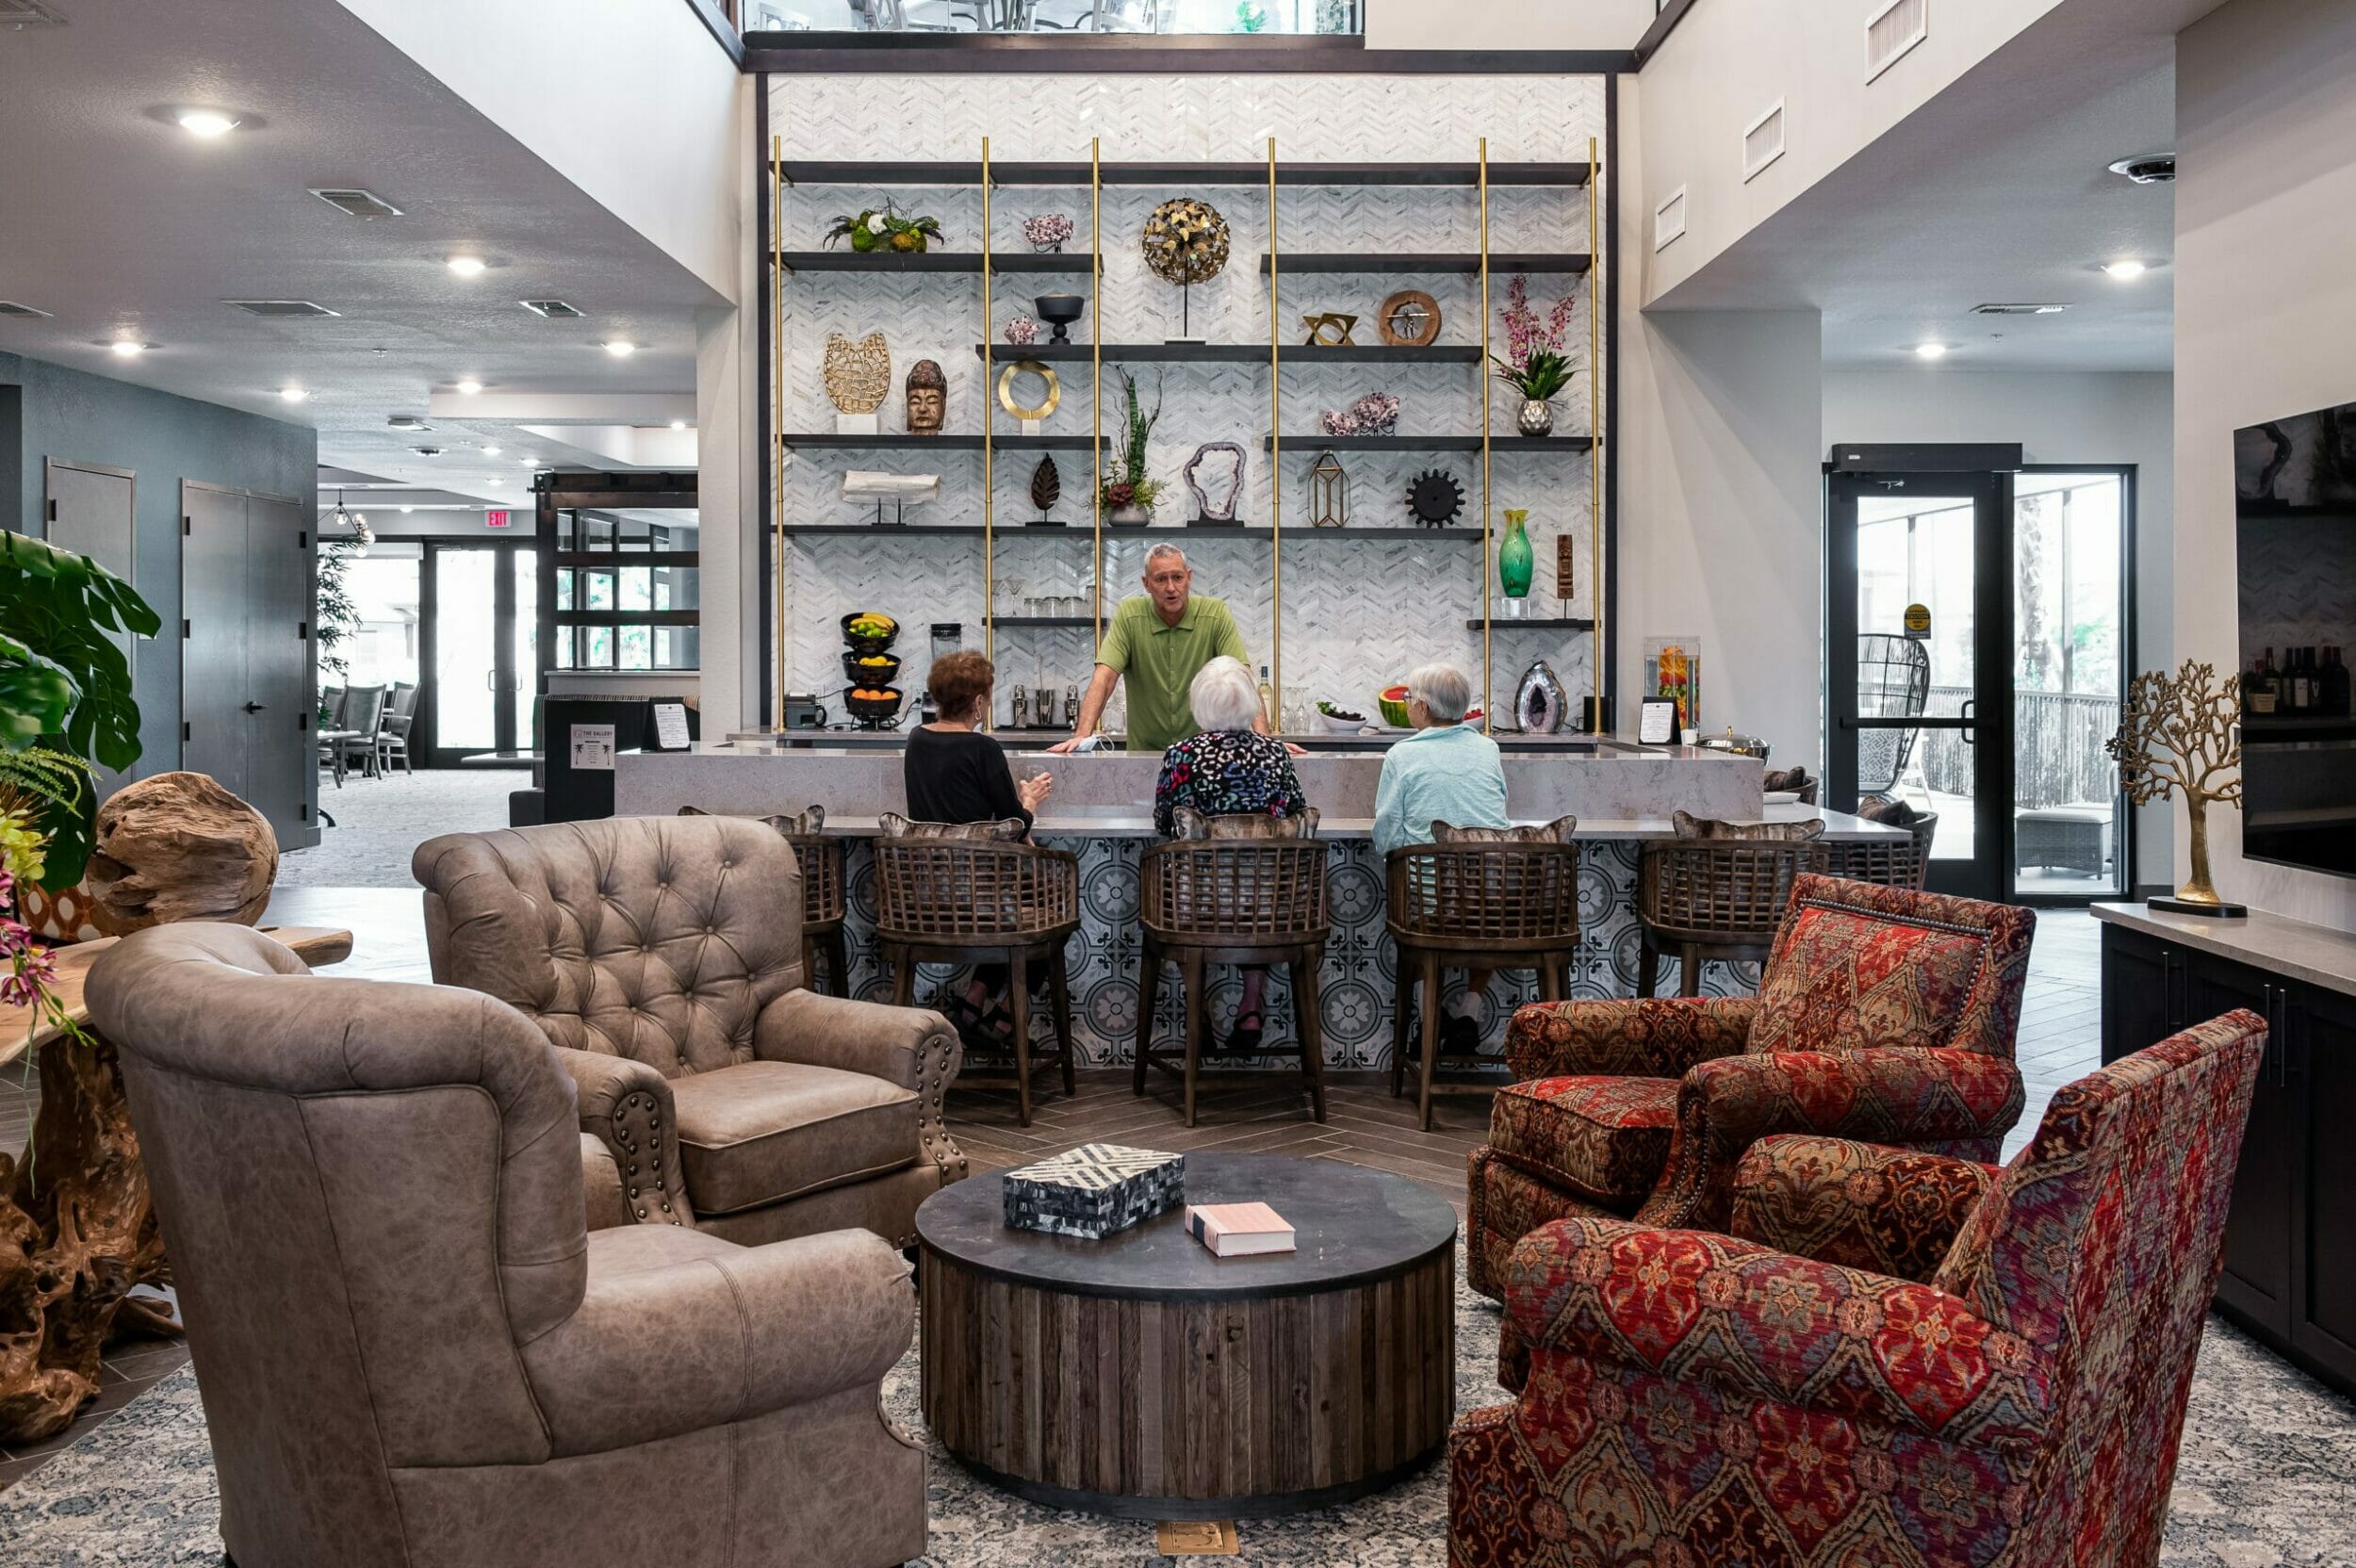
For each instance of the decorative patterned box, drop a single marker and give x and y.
(1095, 1191)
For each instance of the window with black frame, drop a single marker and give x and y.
(626, 590)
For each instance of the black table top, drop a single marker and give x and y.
(1352, 1226)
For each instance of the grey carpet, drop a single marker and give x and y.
(378, 821)
(2267, 1479)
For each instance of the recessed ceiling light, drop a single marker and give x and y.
(529, 461)
(679, 424)
(2123, 271)
(468, 388)
(406, 510)
(621, 347)
(207, 123)
(490, 451)
(127, 348)
(1930, 350)
(468, 266)
(291, 394)
(495, 481)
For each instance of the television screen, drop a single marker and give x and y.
(2295, 485)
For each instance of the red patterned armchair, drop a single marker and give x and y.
(1883, 1014)
(1697, 1399)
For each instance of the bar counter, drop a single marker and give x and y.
(1102, 811)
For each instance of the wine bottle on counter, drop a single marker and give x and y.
(1267, 701)
(2335, 684)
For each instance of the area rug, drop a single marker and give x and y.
(2267, 1479)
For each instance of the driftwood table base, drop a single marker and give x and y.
(1140, 1377)
(77, 1225)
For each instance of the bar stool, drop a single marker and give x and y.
(822, 911)
(1233, 901)
(966, 901)
(1719, 891)
(1502, 905)
(1889, 862)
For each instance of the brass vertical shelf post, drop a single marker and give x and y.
(1488, 675)
(1276, 470)
(1594, 445)
(777, 430)
(989, 436)
(1096, 381)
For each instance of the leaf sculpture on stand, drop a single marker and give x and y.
(2177, 734)
(1046, 489)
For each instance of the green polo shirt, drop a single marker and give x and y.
(1160, 663)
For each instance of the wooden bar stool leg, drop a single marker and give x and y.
(838, 963)
(1059, 989)
(1019, 1006)
(1400, 991)
(1190, 977)
(1430, 1036)
(1549, 979)
(1689, 970)
(1309, 1029)
(1647, 968)
(903, 963)
(810, 963)
(1149, 995)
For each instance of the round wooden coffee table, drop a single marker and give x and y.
(1142, 1377)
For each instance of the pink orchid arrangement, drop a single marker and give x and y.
(32, 969)
(1524, 331)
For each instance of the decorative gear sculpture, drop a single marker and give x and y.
(1435, 498)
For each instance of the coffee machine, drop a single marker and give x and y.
(948, 638)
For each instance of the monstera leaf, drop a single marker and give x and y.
(65, 682)
(1046, 486)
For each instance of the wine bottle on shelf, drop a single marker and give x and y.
(2302, 681)
(1267, 702)
(2335, 691)
(2261, 677)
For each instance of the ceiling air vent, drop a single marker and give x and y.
(29, 13)
(1894, 30)
(427, 452)
(1668, 219)
(555, 310)
(2150, 168)
(1762, 142)
(359, 203)
(281, 308)
(9, 307)
(2017, 310)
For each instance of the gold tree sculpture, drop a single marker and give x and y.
(2176, 735)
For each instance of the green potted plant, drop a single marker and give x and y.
(1129, 494)
(884, 229)
(1533, 364)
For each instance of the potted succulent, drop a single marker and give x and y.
(1129, 494)
(1534, 365)
(884, 229)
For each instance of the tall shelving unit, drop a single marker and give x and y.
(1095, 176)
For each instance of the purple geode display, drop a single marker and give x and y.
(1376, 414)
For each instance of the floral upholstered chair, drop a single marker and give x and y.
(1882, 1014)
(1698, 1398)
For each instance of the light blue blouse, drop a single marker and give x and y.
(1451, 772)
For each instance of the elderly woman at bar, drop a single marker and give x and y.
(1450, 771)
(1228, 770)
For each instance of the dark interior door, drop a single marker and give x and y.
(91, 511)
(213, 635)
(247, 696)
(1898, 546)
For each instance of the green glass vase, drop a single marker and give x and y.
(1516, 560)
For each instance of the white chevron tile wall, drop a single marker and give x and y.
(1357, 614)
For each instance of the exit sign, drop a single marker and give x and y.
(495, 519)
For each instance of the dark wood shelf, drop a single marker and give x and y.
(936, 530)
(1239, 353)
(969, 173)
(1316, 443)
(1536, 623)
(943, 443)
(1435, 263)
(932, 261)
(1048, 621)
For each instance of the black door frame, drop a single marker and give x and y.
(1991, 726)
(433, 753)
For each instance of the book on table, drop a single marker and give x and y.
(1238, 1230)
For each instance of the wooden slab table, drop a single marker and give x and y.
(77, 1225)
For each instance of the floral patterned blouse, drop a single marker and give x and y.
(1227, 773)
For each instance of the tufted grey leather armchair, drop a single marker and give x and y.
(414, 1353)
(663, 957)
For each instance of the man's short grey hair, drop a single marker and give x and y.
(1444, 688)
(1224, 696)
(1159, 551)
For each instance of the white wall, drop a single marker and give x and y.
(2058, 418)
(1727, 63)
(2265, 312)
(635, 103)
(1506, 23)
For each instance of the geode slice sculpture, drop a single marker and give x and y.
(1218, 504)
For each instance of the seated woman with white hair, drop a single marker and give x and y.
(1228, 770)
(1450, 771)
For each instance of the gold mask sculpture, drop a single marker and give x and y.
(857, 377)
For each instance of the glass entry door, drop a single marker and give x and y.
(1918, 667)
(479, 618)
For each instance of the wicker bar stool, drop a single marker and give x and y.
(967, 901)
(1476, 906)
(1718, 899)
(822, 911)
(1887, 861)
(1233, 901)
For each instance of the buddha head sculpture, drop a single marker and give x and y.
(928, 397)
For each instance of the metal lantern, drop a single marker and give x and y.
(1329, 493)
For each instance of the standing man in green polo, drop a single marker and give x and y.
(1158, 641)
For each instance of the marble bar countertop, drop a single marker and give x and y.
(1130, 823)
(1624, 783)
(2293, 949)
(1375, 739)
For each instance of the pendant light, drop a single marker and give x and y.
(356, 523)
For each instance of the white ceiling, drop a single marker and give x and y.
(1996, 192)
(120, 224)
